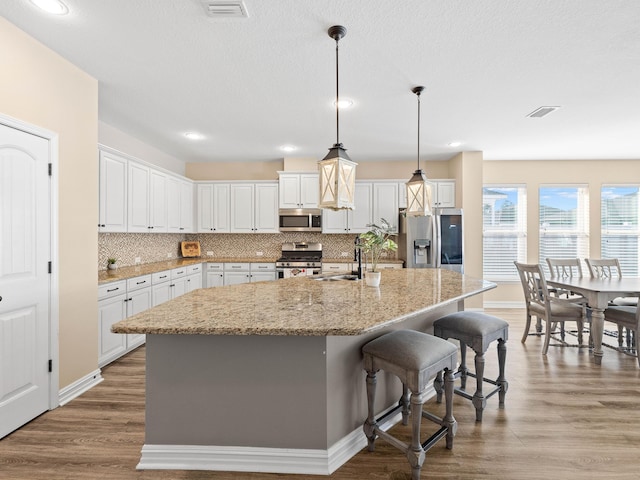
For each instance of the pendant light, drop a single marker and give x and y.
(418, 188)
(337, 171)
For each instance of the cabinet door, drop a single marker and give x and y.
(111, 345)
(402, 195)
(194, 282)
(446, 194)
(158, 201)
(204, 208)
(236, 278)
(334, 221)
(221, 208)
(137, 301)
(178, 287)
(160, 293)
(174, 206)
(242, 196)
(215, 279)
(309, 190)
(138, 198)
(186, 207)
(266, 208)
(290, 190)
(113, 193)
(262, 276)
(362, 215)
(385, 203)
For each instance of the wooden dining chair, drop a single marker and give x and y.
(546, 307)
(567, 268)
(610, 268)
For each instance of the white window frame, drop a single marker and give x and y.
(555, 240)
(629, 257)
(503, 270)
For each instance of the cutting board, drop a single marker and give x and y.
(190, 249)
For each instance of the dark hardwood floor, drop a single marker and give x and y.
(564, 418)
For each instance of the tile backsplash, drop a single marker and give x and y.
(156, 247)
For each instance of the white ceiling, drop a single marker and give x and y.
(252, 85)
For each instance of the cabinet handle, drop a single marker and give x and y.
(0, 298)
(164, 276)
(172, 285)
(180, 273)
(113, 289)
(140, 283)
(181, 228)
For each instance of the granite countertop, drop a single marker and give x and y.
(351, 260)
(304, 306)
(124, 273)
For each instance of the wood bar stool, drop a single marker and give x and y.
(414, 357)
(476, 330)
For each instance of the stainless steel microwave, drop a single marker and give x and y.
(300, 220)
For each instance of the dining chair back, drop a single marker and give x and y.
(546, 307)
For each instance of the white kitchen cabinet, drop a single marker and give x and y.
(194, 277)
(298, 190)
(237, 273)
(254, 207)
(402, 195)
(146, 200)
(157, 201)
(336, 267)
(215, 274)
(443, 193)
(112, 216)
(385, 203)
(213, 207)
(111, 309)
(160, 289)
(137, 301)
(179, 205)
(351, 221)
(262, 272)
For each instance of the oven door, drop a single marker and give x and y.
(289, 272)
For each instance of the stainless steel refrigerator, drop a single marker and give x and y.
(434, 241)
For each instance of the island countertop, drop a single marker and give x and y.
(305, 306)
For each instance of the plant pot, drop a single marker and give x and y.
(372, 279)
(112, 266)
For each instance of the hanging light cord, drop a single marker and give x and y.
(337, 98)
(418, 130)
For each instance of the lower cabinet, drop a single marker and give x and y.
(236, 273)
(215, 274)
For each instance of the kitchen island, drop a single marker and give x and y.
(267, 377)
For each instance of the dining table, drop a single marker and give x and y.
(598, 292)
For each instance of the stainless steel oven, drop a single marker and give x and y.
(299, 259)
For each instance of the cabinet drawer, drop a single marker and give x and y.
(178, 272)
(336, 267)
(160, 277)
(191, 269)
(112, 289)
(236, 267)
(138, 282)
(215, 267)
(263, 267)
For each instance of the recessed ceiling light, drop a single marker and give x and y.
(454, 144)
(343, 103)
(194, 136)
(55, 7)
(542, 112)
(288, 148)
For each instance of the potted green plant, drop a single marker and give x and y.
(373, 244)
(111, 263)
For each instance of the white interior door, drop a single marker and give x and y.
(25, 239)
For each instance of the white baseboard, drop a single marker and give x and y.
(260, 460)
(78, 387)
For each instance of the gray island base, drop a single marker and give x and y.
(267, 377)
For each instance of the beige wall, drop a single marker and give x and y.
(39, 87)
(593, 173)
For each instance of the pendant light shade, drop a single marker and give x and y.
(337, 170)
(418, 187)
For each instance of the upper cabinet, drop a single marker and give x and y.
(254, 207)
(298, 190)
(112, 215)
(386, 203)
(351, 221)
(443, 193)
(213, 207)
(179, 205)
(147, 199)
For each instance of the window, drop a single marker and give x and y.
(619, 226)
(564, 223)
(504, 230)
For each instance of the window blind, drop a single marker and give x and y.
(504, 232)
(564, 223)
(619, 226)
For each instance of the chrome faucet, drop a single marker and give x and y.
(358, 257)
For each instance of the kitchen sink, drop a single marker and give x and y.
(334, 278)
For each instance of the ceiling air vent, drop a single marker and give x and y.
(542, 112)
(225, 8)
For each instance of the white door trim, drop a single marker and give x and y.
(54, 306)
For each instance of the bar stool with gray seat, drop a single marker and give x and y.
(476, 330)
(415, 358)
